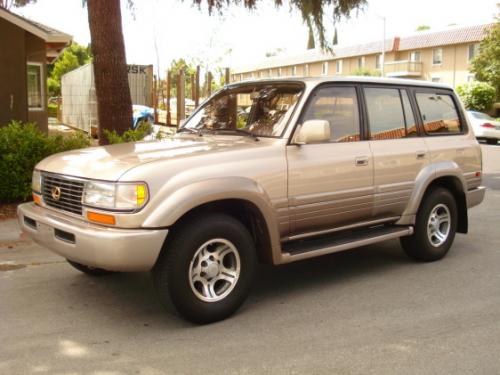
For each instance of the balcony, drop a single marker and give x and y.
(403, 69)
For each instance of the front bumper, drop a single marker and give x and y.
(475, 196)
(112, 249)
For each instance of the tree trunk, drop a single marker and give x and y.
(114, 104)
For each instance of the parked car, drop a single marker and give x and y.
(317, 166)
(141, 113)
(485, 127)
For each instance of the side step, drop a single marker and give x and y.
(317, 246)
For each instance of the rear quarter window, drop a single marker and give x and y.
(439, 113)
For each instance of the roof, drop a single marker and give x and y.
(362, 79)
(55, 40)
(420, 40)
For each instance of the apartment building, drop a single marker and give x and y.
(442, 56)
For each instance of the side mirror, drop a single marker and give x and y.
(313, 131)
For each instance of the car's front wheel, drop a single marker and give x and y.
(206, 268)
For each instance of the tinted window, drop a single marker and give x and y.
(338, 106)
(439, 113)
(385, 113)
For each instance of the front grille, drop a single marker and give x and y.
(71, 190)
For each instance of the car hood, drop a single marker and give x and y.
(111, 162)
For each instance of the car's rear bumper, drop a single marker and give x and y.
(92, 245)
(475, 196)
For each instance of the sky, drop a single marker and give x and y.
(157, 31)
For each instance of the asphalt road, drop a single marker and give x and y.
(367, 311)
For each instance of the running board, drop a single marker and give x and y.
(303, 249)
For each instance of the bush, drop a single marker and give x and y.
(22, 146)
(131, 135)
(366, 72)
(52, 110)
(477, 96)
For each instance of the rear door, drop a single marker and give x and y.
(331, 183)
(398, 152)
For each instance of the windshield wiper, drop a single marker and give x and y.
(240, 131)
(192, 131)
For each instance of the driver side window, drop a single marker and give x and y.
(339, 106)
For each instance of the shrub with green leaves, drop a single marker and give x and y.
(22, 146)
(131, 135)
(477, 96)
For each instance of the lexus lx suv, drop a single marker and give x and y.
(264, 171)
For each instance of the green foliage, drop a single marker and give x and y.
(423, 28)
(131, 135)
(73, 57)
(477, 96)
(486, 65)
(52, 110)
(312, 12)
(22, 146)
(175, 67)
(366, 72)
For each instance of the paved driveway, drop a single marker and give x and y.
(367, 311)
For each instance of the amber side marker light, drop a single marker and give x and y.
(101, 218)
(37, 199)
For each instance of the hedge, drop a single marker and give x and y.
(22, 146)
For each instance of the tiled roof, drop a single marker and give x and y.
(417, 41)
(442, 38)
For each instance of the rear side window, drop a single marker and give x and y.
(339, 106)
(439, 113)
(389, 113)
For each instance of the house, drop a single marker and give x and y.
(437, 56)
(26, 47)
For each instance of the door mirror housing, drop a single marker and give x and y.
(313, 131)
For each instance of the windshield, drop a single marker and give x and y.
(259, 109)
(481, 116)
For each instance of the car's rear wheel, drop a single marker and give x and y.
(92, 271)
(435, 227)
(206, 268)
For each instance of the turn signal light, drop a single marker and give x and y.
(101, 218)
(37, 199)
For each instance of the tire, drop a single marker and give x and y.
(492, 141)
(92, 271)
(433, 238)
(194, 265)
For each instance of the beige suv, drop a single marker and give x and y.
(273, 171)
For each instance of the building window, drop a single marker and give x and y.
(415, 56)
(338, 66)
(361, 62)
(436, 79)
(378, 61)
(35, 86)
(324, 68)
(306, 70)
(437, 56)
(280, 72)
(473, 51)
(241, 77)
(294, 70)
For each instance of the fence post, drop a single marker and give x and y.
(181, 96)
(227, 80)
(197, 84)
(155, 99)
(169, 82)
(209, 84)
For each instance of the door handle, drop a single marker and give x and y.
(421, 154)
(361, 161)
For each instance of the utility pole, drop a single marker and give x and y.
(382, 68)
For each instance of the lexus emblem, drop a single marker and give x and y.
(55, 192)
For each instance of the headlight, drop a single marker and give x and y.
(36, 182)
(115, 196)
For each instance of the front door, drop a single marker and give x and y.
(331, 183)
